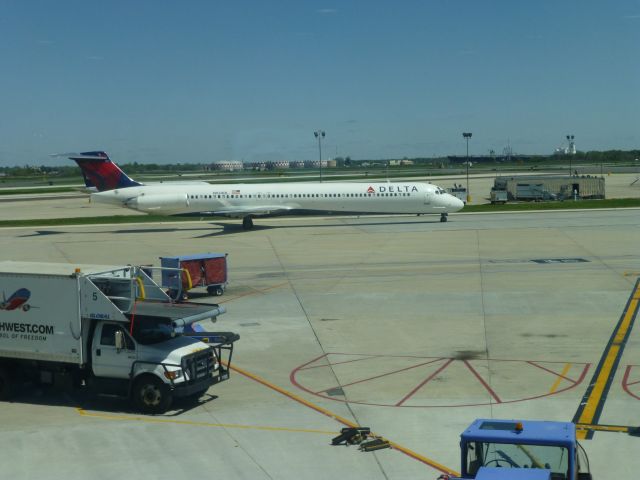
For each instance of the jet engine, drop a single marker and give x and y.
(160, 203)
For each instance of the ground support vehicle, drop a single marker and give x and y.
(459, 192)
(111, 330)
(499, 196)
(522, 450)
(181, 273)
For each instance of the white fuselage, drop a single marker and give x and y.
(239, 200)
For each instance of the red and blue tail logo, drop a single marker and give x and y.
(100, 172)
(17, 300)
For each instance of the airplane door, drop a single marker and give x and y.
(108, 361)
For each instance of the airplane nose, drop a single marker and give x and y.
(455, 204)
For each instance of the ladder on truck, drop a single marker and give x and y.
(121, 286)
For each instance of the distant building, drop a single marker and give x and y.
(462, 160)
(278, 164)
(255, 165)
(396, 163)
(296, 164)
(227, 165)
(315, 164)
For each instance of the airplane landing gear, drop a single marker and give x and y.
(443, 217)
(247, 223)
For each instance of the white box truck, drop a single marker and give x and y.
(112, 330)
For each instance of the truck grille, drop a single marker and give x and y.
(199, 365)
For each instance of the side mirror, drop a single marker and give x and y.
(119, 340)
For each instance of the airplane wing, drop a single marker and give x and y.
(240, 212)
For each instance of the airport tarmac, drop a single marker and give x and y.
(403, 324)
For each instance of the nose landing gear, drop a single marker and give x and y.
(443, 217)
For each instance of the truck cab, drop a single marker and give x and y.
(144, 353)
(518, 449)
(151, 363)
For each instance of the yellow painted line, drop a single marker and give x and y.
(421, 458)
(432, 463)
(556, 384)
(293, 396)
(596, 394)
(104, 416)
(603, 428)
(631, 274)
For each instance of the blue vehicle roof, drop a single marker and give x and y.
(534, 432)
(195, 256)
(491, 473)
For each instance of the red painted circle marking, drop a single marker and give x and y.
(430, 382)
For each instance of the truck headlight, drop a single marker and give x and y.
(173, 374)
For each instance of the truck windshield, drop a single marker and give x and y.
(513, 455)
(148, 331)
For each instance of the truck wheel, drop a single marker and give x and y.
(5, 384)
(215, 291)
(151, 395)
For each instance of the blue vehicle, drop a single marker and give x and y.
(522, 450)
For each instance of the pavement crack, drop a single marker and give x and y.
(319, 342)
(484, 318)
(238, 443)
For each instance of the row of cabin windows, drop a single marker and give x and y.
(305, 195)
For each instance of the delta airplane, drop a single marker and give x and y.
(247, 201)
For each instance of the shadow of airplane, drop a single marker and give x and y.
(232, 228)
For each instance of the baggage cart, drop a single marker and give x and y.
(182, 273)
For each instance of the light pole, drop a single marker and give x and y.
(319, 134)
(570, 151)
(467, 136)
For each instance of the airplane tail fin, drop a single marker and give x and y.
(100, 173)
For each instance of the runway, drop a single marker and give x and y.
(403, 324)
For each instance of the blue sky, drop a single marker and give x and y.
(159, 81)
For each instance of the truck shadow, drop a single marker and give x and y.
(89, 404)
